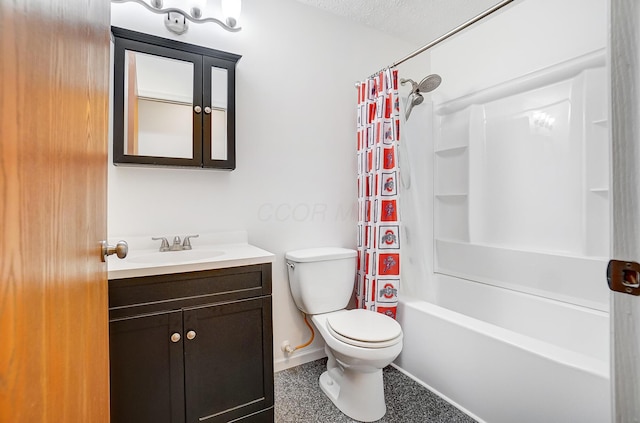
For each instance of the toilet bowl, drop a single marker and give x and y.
(358, 343)
(353, 380)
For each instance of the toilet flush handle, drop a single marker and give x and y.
(291, 265)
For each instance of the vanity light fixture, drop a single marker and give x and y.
(177, 20)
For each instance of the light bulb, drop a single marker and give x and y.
(197, 8)
(231, 11)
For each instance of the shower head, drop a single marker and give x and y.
(428, 84)
(414, 99)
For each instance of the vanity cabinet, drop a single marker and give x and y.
(174, 103)
(192, 347)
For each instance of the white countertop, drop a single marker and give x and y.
(210, 251)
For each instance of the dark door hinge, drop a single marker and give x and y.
(624, 276)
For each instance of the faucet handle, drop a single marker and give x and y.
(186, 245)
(165, 244)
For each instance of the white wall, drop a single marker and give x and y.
(521, 38)
(294, 185)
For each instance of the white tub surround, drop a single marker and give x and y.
(509, 218)
(209, 251)
(521, 183)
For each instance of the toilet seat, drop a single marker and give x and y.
(364, 328)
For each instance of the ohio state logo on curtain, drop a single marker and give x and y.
(378, 135)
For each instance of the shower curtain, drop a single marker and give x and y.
(378, 135)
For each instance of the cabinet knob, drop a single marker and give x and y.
(191, 334)
(197, 109)
(175, 337)
(207, 110)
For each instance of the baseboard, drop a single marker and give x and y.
(298, 358)
(438, 393)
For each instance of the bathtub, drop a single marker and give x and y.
(497, 366)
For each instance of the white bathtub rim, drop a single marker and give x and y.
(595, 311)
(542, 294)
(438, 393)
(574, 327)
(525, 343)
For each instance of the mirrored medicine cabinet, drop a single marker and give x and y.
(174, 103)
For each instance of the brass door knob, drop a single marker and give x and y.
(175, 337)
(191, 334)
(120, 249)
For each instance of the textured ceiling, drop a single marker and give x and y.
(417, 21)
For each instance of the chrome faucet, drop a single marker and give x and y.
(176, 246)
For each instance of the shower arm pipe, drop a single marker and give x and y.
(447, 35)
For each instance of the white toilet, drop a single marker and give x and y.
(359, 343)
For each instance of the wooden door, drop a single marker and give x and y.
(147, 368)
(625, 161)
(53, 154)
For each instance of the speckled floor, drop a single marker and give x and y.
(298, 399)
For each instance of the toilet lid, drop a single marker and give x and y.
(364, 328)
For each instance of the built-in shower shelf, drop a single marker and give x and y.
(451, 149)
(538, 272)
(601, 122)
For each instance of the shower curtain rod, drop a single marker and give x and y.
(445, 36)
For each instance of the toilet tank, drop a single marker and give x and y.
(321, 279)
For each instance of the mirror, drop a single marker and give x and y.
(158, 106)
(174, 103)
(218, 113)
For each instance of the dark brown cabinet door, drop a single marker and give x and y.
(194, 347)
(147, 369)
(219, 123)
(229, 360)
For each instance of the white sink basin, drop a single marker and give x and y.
(211, 251)
(184, 256)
